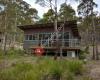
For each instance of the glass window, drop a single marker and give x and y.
(34, 37)
(26, 37)
(30, 37)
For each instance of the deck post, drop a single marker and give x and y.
(61, 51)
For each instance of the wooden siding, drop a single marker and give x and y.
(70, 27)
(43, 30)
(40, 27)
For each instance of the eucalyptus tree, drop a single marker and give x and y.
(66, 12)
(47, 17)
(13, 13)
(85, 9)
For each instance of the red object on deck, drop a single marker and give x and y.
(39, 51)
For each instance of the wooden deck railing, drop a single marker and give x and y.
(52, 43)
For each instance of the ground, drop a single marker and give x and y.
(92, 67)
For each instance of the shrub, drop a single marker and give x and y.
(43, 69)
(21, 71)
(82, 55)
(87, 78)
(76, 67)
(84, 52)
(1, 54)
(68, 76)
(15, 52)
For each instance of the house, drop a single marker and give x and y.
(43, 35)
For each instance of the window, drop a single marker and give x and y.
(26, 37)
(71, 54)
(30, 37)
(34, 36)
(46, 36)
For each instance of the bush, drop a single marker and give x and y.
(76, 67)
(87, 78)
(43, 69)
(15, 52)
(1, 54)
(83, 53)
(21, 71)
(11, 53)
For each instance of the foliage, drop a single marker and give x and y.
(12, 53)
(48, 17)
(75, 67)
(66, 12)
(85, 7)
(43, 69)
(12, 14)
(15, 52)
(87, 78)
(1, 54)
(86, 11)
(83, 53)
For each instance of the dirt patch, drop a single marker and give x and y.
(94, 69)
(95, 73)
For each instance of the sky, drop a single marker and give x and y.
(42, 10)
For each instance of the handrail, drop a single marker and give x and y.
(74, 43)
(68, 43)
(54, 34)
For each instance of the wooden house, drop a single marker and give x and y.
(43, 35)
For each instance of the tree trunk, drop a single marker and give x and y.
(97, 53)
(5, 33)
(94, 42)
(5, 43)
(56, 30)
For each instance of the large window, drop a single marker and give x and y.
(31, 37)
(44, 36)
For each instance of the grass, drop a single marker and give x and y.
(44, 69)
(39, 68)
